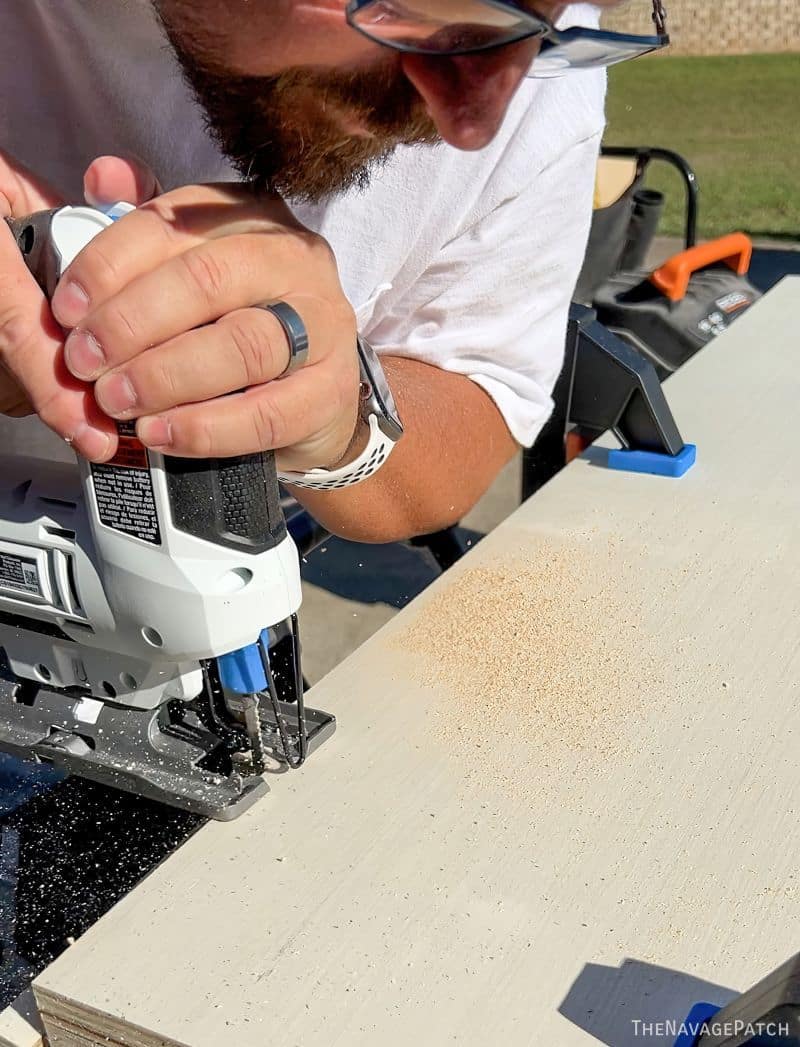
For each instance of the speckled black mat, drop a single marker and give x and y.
(69, 850)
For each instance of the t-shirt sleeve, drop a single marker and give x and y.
(494, 304)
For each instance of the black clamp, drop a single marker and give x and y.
(606, 385)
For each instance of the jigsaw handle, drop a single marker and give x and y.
(232, 502)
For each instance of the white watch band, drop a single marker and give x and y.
(379, 447)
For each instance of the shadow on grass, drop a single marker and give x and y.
(766, 234)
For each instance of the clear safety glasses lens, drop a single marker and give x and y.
(444, 26)
(590, 49)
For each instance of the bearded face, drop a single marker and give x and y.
(305, 106)
(305, 133)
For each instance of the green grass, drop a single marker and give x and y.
(735, 120)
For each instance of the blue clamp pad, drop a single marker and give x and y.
(242, 672)
(654, 464)
(693, 1025)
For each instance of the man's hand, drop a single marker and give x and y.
(165, 316)
(33, 378)
(30, 341)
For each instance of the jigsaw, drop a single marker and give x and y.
(148, 607)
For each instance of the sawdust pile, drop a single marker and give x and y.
(534, 658)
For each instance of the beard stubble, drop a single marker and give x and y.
(287, 133)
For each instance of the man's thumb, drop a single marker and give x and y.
(110, 179)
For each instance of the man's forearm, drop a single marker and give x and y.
(455, 444)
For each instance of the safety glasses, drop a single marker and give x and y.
(460, 27)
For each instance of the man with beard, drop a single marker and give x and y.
(431, 198)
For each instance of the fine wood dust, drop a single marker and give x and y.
(537, 658)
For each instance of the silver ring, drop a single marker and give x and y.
(296, 334)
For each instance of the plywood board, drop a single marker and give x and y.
(20, 1025)
(563, 796)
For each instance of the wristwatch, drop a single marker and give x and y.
(379, 411)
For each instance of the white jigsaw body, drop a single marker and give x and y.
(141, 617)
(139, 599)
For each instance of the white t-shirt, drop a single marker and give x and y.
(462, 260)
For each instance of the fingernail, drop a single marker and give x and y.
(92, 443)
(115, 394)
(154, 432)
(84, 355)
(70, 303)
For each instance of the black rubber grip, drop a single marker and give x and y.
(33, 236)
(234, 502)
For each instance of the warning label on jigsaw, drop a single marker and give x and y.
(131, 452)
(19, 575)
(124, 489)
(125, 501)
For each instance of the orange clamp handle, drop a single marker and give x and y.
(735, 250)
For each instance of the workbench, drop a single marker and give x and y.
(562, 800)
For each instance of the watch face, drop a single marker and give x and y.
(380, 401)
